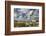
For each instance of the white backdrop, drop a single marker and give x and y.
(2, 18)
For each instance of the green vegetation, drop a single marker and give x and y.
(25, 24)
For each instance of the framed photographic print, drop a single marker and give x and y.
(24, 17)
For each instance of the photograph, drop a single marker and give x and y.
(26, 17)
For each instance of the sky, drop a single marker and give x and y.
(24, 13)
